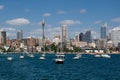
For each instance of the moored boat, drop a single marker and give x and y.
(60, 58)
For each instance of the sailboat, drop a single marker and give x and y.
(77, 56)
(21, 46)
(9, 58)
(60, 57)
(105, 55)
(42, 57)
(21, 56)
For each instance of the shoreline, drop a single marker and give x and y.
(56, 53)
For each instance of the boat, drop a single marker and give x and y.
(9, 58)
(21, 57)
(97, 55)
(42, 57)
(31, 55)
(78, 56)
(60, 58)
(105, 56)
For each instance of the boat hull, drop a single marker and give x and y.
(60, 62)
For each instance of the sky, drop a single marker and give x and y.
(78, 15)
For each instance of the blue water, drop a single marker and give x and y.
(86, 68)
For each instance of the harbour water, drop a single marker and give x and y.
(87, 67)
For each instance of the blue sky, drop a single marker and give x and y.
(78, 15)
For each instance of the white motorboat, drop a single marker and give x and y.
(9, 58)
(105, 56)
(77, 56)
(31, 55)
(21, 57)
(60, 58)
(97, 55)
(42, 57)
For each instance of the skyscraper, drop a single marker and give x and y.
(64, 33)
(81, 37)
(103, 31)
(2, 37)
(64, 37)
(88, 37)
(20, 35)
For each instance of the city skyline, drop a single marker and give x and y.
(79, 16)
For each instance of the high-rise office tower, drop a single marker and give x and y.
(103, 31)
(88, 37)
(64, 33)
(20, 35)
(2, 37)
(81, 37)
(64, 37)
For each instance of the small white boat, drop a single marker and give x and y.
(105, 55)
(42, 57)
(9, 58)
(60, 58)
(31, 55)
(97, 55)
(78, 56)
(21, 56)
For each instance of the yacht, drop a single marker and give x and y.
(42, 57)
(105, 56)
(31, 55)
(97, 55)
(9, 58)
(21, 57)
(77, 56)
(60, 58)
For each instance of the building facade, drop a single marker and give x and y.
(115, 36)
(20, 35)
(2, 37)
(81, 37)
(103, 31)
(88, 37)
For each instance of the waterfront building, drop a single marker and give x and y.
(115, 36)
(103, 31)
(56, 39)
(76, 40)
(79, 43)
(101, 43)
(2, 37)
(20, 35)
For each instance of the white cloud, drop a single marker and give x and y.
(46, 14)
(61, 12)
(116, 20)
(70, 22)
(97, 22)
(1, 7)
(18, 21)
(8, 29)
(82, 11)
